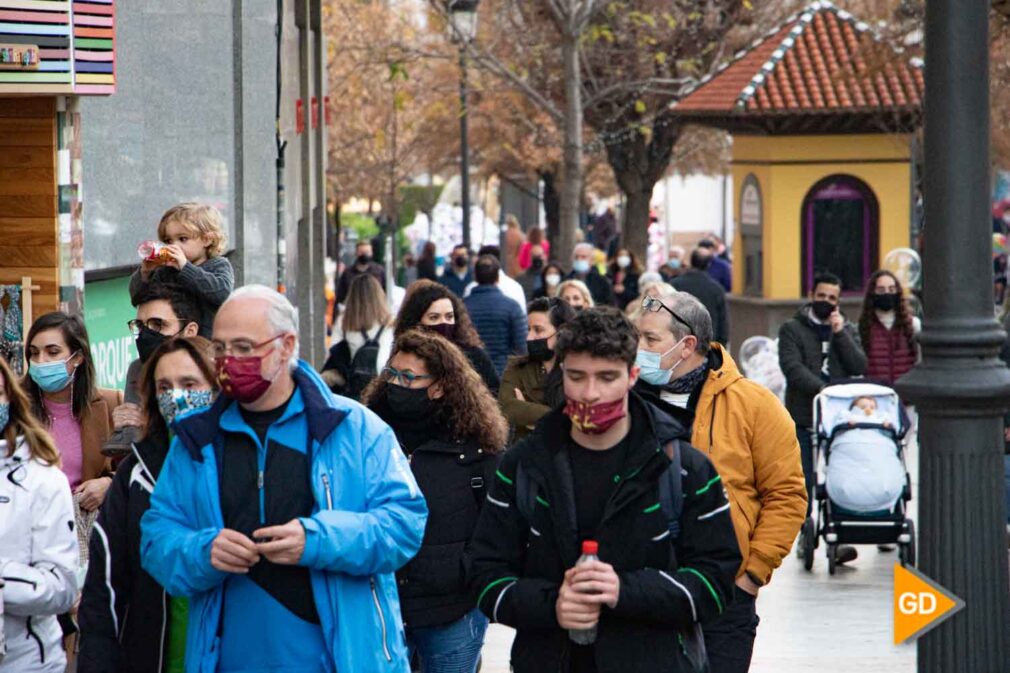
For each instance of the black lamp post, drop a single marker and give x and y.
(961, 388)
(463, 26)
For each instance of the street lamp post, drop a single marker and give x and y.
(463, 24)
(961, 388)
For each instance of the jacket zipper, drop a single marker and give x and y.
(326, 487)
(35, 636)
(382, 619)
(164, 627)
(711, 424)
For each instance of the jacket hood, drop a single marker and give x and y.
(723, 371)
(198, 429)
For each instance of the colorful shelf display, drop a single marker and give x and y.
(75, 43)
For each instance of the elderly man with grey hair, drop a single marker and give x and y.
(748, 435)
(282, 512)
(584, 270)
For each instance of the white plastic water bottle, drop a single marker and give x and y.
(586, 636)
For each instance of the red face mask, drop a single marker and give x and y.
(594, 419)
(242, 378)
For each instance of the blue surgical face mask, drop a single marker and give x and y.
(649, 366)
(674, 263)
(5, 415)
(173, 403)
(51, 377)
(581, 266)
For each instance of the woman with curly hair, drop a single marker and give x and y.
(451, 430)
(887, 329)
(433, 307)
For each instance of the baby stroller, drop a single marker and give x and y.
(861, 441)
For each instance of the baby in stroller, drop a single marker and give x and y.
(864, 473)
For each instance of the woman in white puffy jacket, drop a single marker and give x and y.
(38, 544)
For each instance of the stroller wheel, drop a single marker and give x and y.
(832, 551)
(808, 539)
(906, 554)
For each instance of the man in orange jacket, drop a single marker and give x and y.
(750, 438)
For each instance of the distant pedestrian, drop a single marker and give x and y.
(818, 345)
(551, 278)
(576, 294)
(39, 555)
(508, 285)
(458, 276)
(623, 272)
(426, 269)
(583, 269)
(451, 432)
(177, 379)
(499, 322)
(697, 282)
(530, 386)
(432, 306)
(363, 264)
(595, 471)
(887, 330)
(408, 274)
(531, 279)
(514, 239)
(362, 341)
(604, 230)
(535, 236)
(288, 562)
(195, 241)
(719, 269)
(675, 263)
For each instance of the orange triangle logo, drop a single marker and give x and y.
(920, 604)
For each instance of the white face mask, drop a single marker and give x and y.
(552, 279)
(624, 261)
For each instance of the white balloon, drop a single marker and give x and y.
(906, 265)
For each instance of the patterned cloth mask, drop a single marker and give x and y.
(174, 402)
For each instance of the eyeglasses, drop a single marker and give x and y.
(405, 379)
(654, 305)
(153, 324)
(239, 348)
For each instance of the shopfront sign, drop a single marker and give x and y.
(107, 309)
(19, 57)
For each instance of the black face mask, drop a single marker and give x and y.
(148, 341)
(822, 309)
(409, 403)
(446, 329)
(538, 350)
(460, 261)
(886, 302)
(537, 263)
(364, 260)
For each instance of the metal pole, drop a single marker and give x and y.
(464, 149)
(961, 388)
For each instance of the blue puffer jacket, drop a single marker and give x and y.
(368, 521)
(500, 322)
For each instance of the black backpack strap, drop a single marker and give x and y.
(671, 489)
(477, 483)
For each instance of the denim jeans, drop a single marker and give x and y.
(449, 648)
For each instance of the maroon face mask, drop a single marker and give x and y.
(446, 329)
(241, 378)
(594, 419)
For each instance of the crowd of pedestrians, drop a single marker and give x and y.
(235, 510)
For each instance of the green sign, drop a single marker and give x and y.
(107, 309)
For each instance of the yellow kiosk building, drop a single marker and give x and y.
(822, 115)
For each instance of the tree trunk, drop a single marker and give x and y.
(635, 229)
(552, 205)
(571, 188)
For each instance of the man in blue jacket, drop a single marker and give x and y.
(499, 320)
(282, 512)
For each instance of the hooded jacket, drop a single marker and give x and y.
(800, 342)
(38, 561)
(116, 584)
(517, 566)
(368, 517)
(751, 439)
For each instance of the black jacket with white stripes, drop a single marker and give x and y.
(124, 612)
(516, 566)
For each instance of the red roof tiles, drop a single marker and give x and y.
(815, 63)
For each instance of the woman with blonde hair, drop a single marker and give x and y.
(39, 555)
(363, 341)
(451, 430)
(576, 293)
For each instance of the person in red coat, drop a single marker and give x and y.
(887, 330)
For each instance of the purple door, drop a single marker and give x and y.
(840, 232)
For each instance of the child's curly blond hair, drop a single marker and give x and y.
(199, 219)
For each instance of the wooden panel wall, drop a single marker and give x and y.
(29, 222)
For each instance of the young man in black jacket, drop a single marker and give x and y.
(593, 471)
